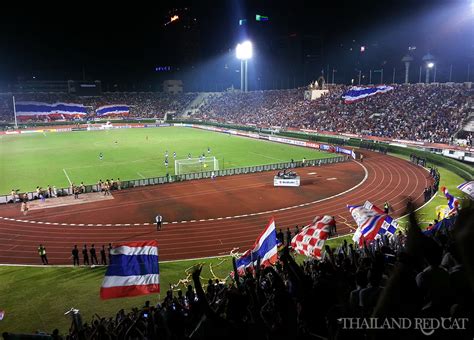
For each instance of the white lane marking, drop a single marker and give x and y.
(331, 179)
(311, 173)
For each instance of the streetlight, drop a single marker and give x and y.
(244, 52)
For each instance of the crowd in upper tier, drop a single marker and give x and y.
(413, 112)
(142, 104)
(420, 112)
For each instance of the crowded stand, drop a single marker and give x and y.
(412, 112)
(141, 104)
(418, 112)
(413, 275)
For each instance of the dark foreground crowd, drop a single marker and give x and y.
(425, 281)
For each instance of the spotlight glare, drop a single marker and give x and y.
(244, 50)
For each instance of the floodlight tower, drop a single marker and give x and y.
(244, 52)
(407, 60)
(428, 59)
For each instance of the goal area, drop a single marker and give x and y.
(192, 165)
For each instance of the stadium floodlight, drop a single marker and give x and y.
(244, 50)
(430, 65)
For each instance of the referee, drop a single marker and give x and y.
(159, 220)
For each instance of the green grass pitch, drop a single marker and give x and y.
(38, 159)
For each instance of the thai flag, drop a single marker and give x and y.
(110, 110)
(357, 93)
(467, 188)
(133, 270)
(444, 224)
(69, 109)
(453, 202)
(28, 109)
(265, 248)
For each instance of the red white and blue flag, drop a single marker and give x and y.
(28, 110)
(356, 93)
(113, 110)
(467, 188)
(133, 270)
(310, 241)
(265, 248)
(371, 222)
(453, 202)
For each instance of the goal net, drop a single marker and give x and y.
(187, 166)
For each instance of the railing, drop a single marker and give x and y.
(186, 177)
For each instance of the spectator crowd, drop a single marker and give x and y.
(418, 112)
(411, 112)
(142, 104)
(412, 275)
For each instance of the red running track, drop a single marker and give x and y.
(210, 218)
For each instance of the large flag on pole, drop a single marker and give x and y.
(371, 222)
(467, 188)
(133, 270)
(265, 248)
(310, 241)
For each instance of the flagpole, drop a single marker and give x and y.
(14, 112)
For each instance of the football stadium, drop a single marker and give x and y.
(283, 181)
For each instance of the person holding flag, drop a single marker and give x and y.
(372, 223)
(265, 249)
(453, 202)
(310, 241)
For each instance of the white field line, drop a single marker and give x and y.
(69, 180)
(139, 174)
(269, 157)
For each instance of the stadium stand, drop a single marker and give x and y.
(418, 112)
(142, 104)
(412, 112)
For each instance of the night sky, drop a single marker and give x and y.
(126, 42)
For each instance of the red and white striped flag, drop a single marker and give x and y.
(310, 241)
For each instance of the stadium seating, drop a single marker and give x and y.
(410, 112)
(142, 104)
(432, 113)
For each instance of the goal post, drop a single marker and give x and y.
(192, 165)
